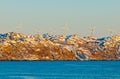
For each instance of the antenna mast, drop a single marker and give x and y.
(93, 32)
(65, 28)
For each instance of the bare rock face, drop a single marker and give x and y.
(17, 46)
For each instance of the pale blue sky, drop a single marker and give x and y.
(48, 15)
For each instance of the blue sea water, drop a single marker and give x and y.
(59, 69)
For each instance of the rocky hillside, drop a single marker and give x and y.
(17, 46)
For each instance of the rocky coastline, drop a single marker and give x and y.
(18, 46)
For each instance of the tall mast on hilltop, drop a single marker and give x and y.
(111, 32)
(65, 28)
(19, 27)
(93, 32)
(38, 31)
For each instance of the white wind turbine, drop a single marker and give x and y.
(92, 32)
(38, 31)
(19, 27)
(52, 31)
(112, 32)
(65, 29)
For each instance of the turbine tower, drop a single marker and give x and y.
(65, 28)
(38, 31)
(93, 32)
(52, 31)
(19, 27)
(111, 32)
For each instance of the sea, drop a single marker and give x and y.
(59, 69)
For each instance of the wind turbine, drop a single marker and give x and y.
(19, 27)
(111, 32)
(65, 28)
(51, 32)
(93, 32)
(38, 31)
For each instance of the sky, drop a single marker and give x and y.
(60, 16)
